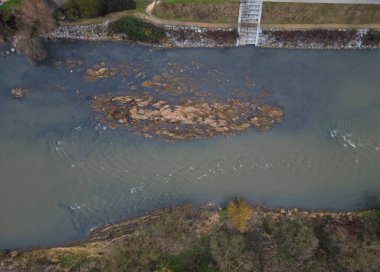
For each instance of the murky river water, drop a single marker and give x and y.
(62, 173)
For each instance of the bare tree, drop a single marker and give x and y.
(33, 18)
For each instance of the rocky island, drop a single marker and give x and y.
(187, 121)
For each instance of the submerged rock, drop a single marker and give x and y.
(18, 93)
(149, 84)
(187, 120)
(99, 71)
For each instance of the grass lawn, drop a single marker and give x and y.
(305, 13)
(209, 11)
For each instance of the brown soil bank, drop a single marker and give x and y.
(239, 238)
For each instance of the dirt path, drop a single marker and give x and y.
(148, 16)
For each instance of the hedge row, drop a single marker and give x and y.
(137, 30)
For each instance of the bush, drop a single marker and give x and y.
(137, 30)
(7, 9)
(372, 38)
(197, 258)
(33, 18)
(239, 212)
(295, 240)
(230, 253)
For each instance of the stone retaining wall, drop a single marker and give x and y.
(181, 36)
(320, 39)
(176, 36)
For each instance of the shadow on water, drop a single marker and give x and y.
(371, 200)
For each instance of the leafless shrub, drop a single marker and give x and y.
(33, 18)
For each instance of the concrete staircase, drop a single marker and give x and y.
(249, 21)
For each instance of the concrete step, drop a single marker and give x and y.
(249, 13)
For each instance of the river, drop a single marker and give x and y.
(63, 173)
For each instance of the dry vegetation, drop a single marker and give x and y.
(209, 239)
(372, 38)
(306, 13)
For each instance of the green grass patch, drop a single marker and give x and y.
(197, 258)
(72, 261)
(8, 7)
(10, 4)
(223, 215)
(137, 30)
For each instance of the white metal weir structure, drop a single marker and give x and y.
(249, 21)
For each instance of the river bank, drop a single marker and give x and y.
(175, 36)
(193, 37)
(208, 238)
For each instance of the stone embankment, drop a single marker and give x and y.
(185, 36)
(320, 38)
(182, 36)
(91, 32)
(175, 36)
